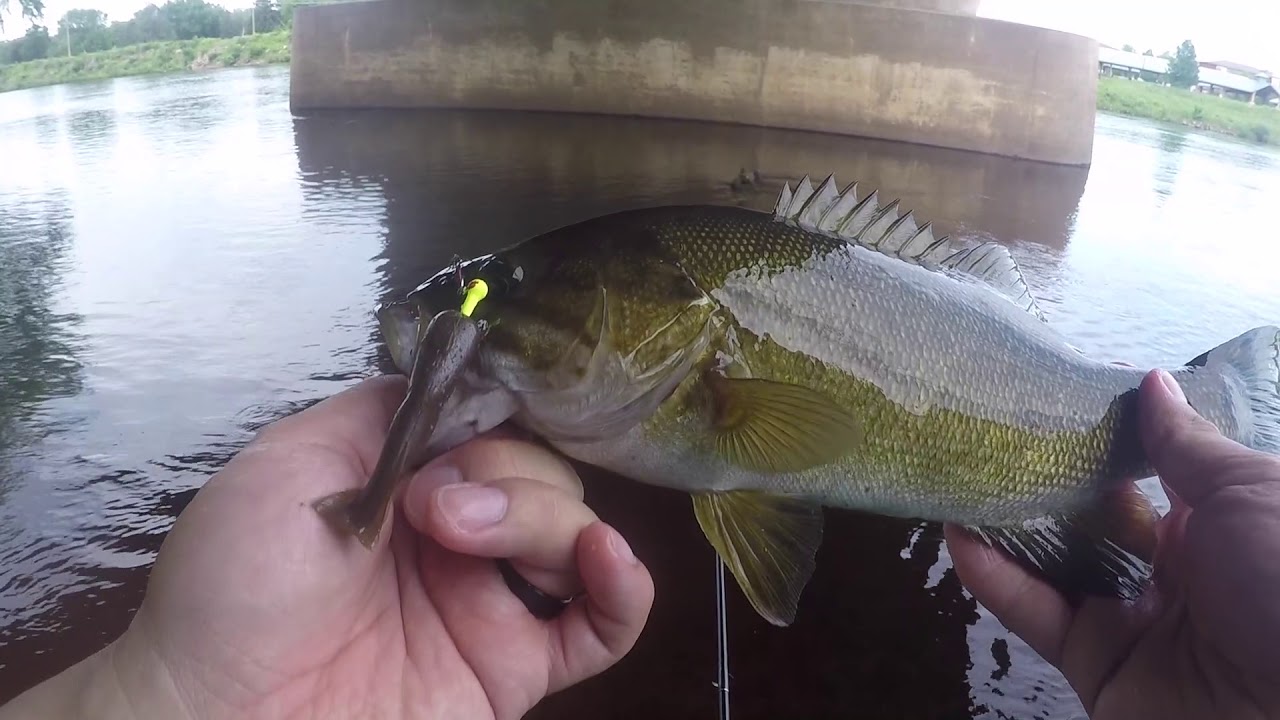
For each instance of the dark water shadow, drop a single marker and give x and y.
(881, 632)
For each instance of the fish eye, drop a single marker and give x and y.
(502, 277)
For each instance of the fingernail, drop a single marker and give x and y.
(620, 548)
(472, 507)
(1172, 386)
(425, 483)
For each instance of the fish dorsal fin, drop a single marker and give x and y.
(784, 201)
(804, 189)
(886, 229)
(818, 204)
(992, 263)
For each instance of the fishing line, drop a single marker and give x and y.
(722, 642)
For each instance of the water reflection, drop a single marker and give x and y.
(1171, 144)
(884, 615)
(469, 182)
(38, 344)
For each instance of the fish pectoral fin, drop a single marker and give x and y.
(1106, 549)
(771, 426)
(767, 541)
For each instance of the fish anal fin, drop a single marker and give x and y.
(770, 426)
(768, 542)
(1106, 549)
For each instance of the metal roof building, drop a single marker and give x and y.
(1218, 77)
(1130, 64)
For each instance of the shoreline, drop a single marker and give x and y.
(153, 58)
(1196, 112)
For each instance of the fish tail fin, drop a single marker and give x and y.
(1104, 549)
(1251, 361)
(346, 514)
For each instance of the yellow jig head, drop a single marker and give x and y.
(476, 291)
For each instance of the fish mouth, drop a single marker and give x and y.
(399, 324)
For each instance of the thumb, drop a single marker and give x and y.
(1187, 451)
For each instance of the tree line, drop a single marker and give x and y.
(86, 30)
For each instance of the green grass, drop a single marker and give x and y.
(149, 58)
(1254, 123)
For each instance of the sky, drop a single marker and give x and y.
(1246, 31)
(15, 25)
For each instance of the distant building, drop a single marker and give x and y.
(1119, 63)
(1239, 82)
(1217, 77)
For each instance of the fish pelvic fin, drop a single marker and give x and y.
(1106, 549)
(886, 229)
(348, 515)
(1251, 362)
(768, 542)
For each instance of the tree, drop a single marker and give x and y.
(32, 10)
(1149, 53)
(266, 16)
(34, 45)
(1184, 71)
(88, 29)
(1127, 48)
(150, 24)
(194, 18)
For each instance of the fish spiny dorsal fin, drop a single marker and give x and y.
(804, 189)
(992, 263)
(874, 232)
(862, 214)
(897, 234)
(924, 249)
(884, 229)
(784, 200)
(818, 204)
(839, 209)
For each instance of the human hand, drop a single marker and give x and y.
(257, 609)
(1204, 641)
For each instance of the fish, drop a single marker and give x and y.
(831, 353)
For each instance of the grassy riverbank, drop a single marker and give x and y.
(149, 58)
(1204, 112)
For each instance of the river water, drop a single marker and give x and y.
(182, 261)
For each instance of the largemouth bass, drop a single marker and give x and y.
(830, 353)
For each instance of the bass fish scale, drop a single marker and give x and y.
(830, 353)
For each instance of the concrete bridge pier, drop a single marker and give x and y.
(921, 71)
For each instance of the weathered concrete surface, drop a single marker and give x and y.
(829, 66)
(959, 7)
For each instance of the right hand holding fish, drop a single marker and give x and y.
(1205, 641)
